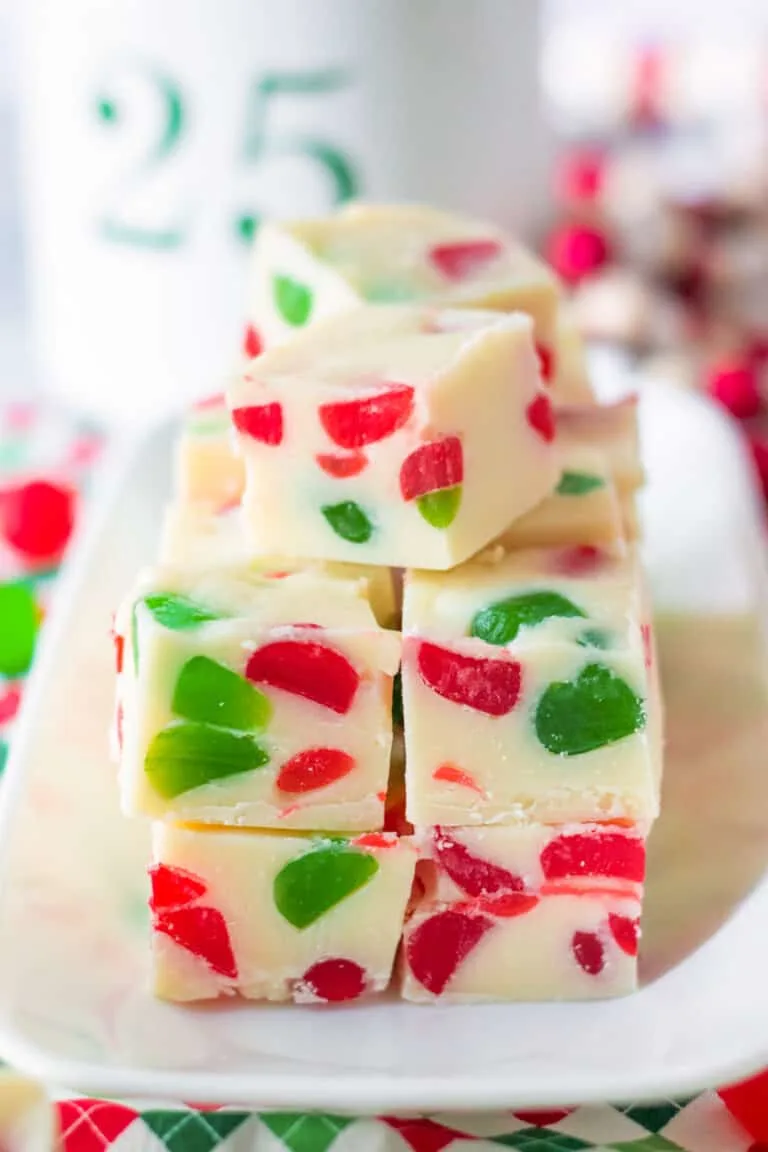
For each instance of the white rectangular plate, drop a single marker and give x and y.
(74, 1004)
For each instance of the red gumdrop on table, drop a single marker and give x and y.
(314, 768)
(341, 467)
(734, 384)
(314, 671)
(435, 465)
(203, 932)
(252, 343)
(335, 980)
(473, 875)
(539, 416)
(577, 250)
(626, 932)
(464, 258)
(746, 1101)
(489, 686)
(438, 946)
(262, 422)
(173, 887)
(37, 518)
(546, 358)
(594, 854)
(355, 423)
(588, 950)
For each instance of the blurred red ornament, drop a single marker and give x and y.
(758, 447)
(577, 250)
(734, 384)
(37, 519)
(580, 175)
(748, 1103)
(646, 101)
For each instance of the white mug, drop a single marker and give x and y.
(158, 132)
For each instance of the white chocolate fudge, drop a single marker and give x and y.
(254, 700)
(570, 381)
(206, 465)
(266, 916)
(611, 430)
(306, 270)
(200, 536)
(572, 946)
(524, 913)
(526, 691)
(401, 436)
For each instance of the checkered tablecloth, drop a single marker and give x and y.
(46, 460)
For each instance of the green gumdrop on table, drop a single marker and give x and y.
(309, 886)
(349, 521)
(19, 624)
(190, 755)
(500, 623)
(439, 508)
(293, 300)
(578, 484)
(177, 612)
(211, 693)
(595, 709)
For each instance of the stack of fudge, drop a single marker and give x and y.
(390, 696)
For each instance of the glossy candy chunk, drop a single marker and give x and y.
(19, 622)
(211, 693)
(37, 519)
(262, 422)
(597, 708)
(356, 423)
(610, 854)
(191, 755)
(541, 418)
(473, 875)
(435, 465)
(349, 521)
(489, 686)
(334, 981)
(203, 932)
(314, 768)
(309, 886)
(578, 484)
(500, 623)
(303, 668)
(178, 612)
(438, 947)
(252, 343)
(293, 300)
(342, 466)
(626, 932)
(173, 887)
(589, 952)
(464, 258)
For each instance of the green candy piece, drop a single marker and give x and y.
(578, 483)
(500, 623)
(309, 886)
(292, 300)
(439, 508)
(213, 694)
(595, 638)
(348, 521)
(595, 709)
(188, 756)
(19, 622)
(390, 292)
(178, 613)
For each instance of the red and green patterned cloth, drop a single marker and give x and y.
(46, 457)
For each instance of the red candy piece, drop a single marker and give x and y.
(355, 423)
(215, 401)
(435, 465)
(647, 638)
(315, 671)
(576, 251)
(37, 518)
(335, 980)
(119, 651)
(508, 904)
(341, 467)
(588, 950)
(375, 839)
(579, 560)
(489, 686)
(439, 945)
(465, 258)
(539, 416)
(599, 854)
(263, 422)
(203, 932)
(314, 768)
(474, 876)
(449, 773)
(173, 887)
(626, 933)
(9, 703)
(546, 359)
(735, 386)
(580, 175)
(252, 344)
